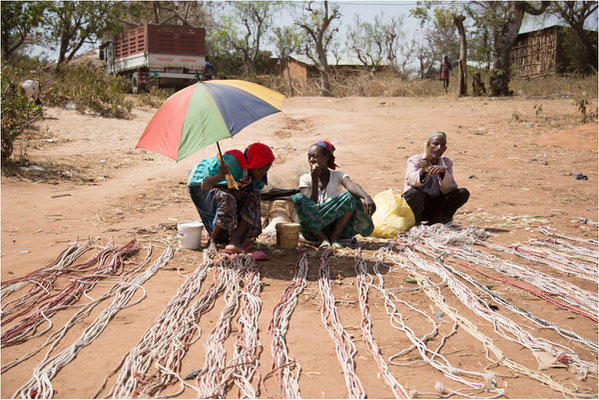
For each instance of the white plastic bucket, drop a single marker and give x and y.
(190, 234)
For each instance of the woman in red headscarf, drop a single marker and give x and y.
(329, 206)
(231, 215)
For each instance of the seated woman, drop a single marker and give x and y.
(231, 215)
(325, 210)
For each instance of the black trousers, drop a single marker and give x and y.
(435, 209)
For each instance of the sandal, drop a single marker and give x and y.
(259, 255)
(324, 244)
(336, 245)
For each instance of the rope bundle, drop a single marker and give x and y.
(279, 325)
(431, 356)
(39, 386)
(366, 325)
(214, 378)
(433, 292)
(166, 342)
(110, 263)
(42, 279)
(345, 348)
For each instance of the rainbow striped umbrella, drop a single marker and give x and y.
(205, 113)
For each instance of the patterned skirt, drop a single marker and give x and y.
(228, 207)
(313, 217)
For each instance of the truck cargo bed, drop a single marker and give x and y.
(160, 39)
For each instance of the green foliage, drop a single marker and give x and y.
(442, 34)
(18, 111)
(68, 25)
(234, 42)
(516, 116)
(538, 109)
(89, 89)
(586, 115)
(574, 53)
(376, 42)
(19, 20)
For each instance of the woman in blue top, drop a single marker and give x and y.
(231, 215)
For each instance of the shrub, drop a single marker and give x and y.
(89, 90)
(155, 97)
(18, 112)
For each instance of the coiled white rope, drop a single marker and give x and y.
(243, 366)
(209, 380)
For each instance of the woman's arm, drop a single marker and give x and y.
(357, 190)
(312, 190)
(210, 181)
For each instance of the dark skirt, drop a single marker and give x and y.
(228, 207)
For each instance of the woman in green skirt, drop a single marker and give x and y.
(329, 206)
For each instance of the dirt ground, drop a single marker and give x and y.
(516, 163)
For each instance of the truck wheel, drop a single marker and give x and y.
(136, 86)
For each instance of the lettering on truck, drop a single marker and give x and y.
(188, 60)
(165, 59)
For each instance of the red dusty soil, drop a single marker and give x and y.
(518, 173)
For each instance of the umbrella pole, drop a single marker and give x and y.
(231, 184)
(220, 153)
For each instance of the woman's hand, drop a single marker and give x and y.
(369, 205)
(223, 170)
(315, 172)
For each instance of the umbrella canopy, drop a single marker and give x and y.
(205, 113)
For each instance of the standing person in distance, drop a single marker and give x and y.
(444, 71)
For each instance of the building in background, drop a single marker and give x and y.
(543, 52)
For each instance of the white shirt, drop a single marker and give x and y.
(334, 187)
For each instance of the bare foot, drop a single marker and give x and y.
(211, 247)
(234, 248)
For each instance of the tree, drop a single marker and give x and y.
(287, 41)
(20, 19)
(584, 50)
(458, 21)
(424, 53)
(71, 24)
(219, 45)
(447, 18)
(135, 13)
(374, 43)
(237, 36)
(317, 23)
(480, 46)
(256, 19)
(505, 19)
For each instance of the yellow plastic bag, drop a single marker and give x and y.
(393, 215)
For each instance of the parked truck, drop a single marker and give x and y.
(157, 55)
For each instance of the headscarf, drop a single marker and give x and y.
(437, 133)
(328, 146)
(254, 156)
